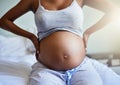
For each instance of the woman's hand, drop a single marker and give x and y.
(35, 42)
(85, 38)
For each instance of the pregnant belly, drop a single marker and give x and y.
(61, 50)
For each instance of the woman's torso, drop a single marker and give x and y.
(60, 34)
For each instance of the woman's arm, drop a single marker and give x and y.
(7, 21)
(105, 6)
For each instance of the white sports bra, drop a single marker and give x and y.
(69, 19)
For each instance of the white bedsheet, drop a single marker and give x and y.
(11, 80)
(12, 73)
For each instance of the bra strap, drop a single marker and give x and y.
(39, 2)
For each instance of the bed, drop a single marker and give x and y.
(14, 73)
(16, 58)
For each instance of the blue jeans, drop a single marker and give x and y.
(89, 72)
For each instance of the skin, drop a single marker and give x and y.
(62, 56)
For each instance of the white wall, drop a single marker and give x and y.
(105, 40)
(26, 21)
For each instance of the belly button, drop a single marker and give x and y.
(65, 57)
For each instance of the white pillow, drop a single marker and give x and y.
(29, 46)
(12, 48)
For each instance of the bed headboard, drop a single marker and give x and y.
(110, 59)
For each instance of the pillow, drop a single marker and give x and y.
(29, 46)
(6, 33)
(14, 49)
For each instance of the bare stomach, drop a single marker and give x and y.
(61, 50)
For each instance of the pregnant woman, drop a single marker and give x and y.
(60, 44)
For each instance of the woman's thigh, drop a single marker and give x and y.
(43, 76)
(86, 75)
(45, 79)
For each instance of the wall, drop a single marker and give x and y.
(25, 22)
(107, 39)
(104, 40)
